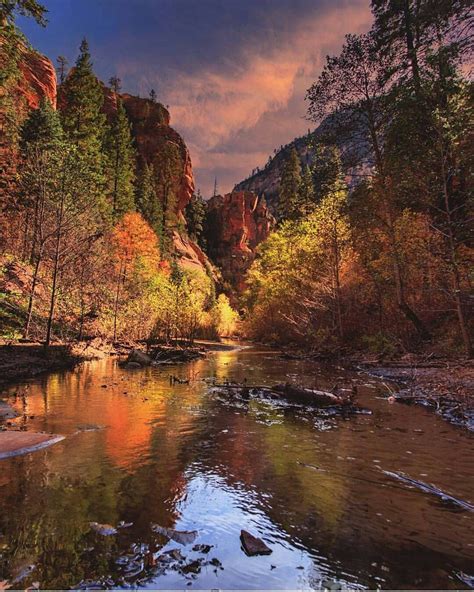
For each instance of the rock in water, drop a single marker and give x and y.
(183, 537)
(7, 412)
(253, 545)
(138, 357)
(103, 529)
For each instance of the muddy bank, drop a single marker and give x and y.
(26, 360)
(446, 387)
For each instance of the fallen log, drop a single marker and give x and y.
(427, 488)
(288, 392)
(309, 396)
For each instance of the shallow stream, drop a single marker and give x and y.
(140, 451)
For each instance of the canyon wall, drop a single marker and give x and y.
(236, 223)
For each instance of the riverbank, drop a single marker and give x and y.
(444, 386)
(19, 361)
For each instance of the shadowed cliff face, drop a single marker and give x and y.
(236, 223)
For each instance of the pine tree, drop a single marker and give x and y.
(42, 127)
(327, 170)
(62, 65)
(120, 163)
(153, 95)
(29, 8)
(289, 206)
(147, 201)
(115, 84)
(82, 100)
(195, 214)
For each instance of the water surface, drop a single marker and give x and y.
(181, 457)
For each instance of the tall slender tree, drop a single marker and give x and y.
(120, 164)
(81, 100)
(62, 64)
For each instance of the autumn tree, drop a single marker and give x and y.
(355, 87)
(134, 243)
(41, 140)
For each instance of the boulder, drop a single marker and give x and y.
(253, 545)
(138, 357)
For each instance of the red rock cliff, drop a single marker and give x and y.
(237, 223)
(38, 79)
(152, 132)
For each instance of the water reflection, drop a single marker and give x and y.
(178, 457)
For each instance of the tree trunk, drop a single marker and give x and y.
(55, 273)
(121, 280)
(453, 260)
(31, 299)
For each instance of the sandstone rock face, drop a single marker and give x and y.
(152, 132)
(237, 222)
(191, 256)
(38, 79)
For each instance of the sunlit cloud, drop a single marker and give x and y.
(233, 72)
(214, 108)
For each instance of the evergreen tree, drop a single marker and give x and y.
(327, 170)
(289, 206)
(42, 127)
(62, 65)
(82, 100)
(120, 163)
(195, 213)
(153, 95)
(115, 84)
(147, 201)
(409, 30)
(167, 178)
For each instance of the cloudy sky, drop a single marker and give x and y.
(233, 72)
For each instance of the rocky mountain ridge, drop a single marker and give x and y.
(355, 156)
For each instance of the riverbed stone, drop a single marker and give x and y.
(253, 545)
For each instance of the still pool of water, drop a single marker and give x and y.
(182, 457)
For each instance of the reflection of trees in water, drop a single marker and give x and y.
(160, 436)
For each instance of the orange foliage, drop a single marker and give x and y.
(133, 238)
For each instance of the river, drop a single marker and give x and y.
(140, 451)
